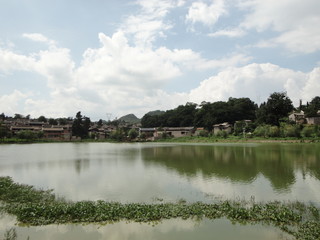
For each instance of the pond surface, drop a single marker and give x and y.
(153, 172)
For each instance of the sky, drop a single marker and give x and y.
(109, 58)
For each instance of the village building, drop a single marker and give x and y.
(149, 133)
(179, 131)
(227, 127)
(297, 117)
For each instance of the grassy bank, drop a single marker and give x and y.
(191, 139)
(38, 207)
(237, 139)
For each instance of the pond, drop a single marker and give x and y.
(164, 172)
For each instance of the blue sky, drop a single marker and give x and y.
(105, 56)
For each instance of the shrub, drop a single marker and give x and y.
(222, 134)
(133, 133)
(289, 130)
(29, 135)
(274, 131)
(203, 133)
(308, 131)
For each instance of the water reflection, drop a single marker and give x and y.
(143, 172)
(239, 163)
(168, 229)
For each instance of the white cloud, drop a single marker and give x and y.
(296, 22)
(121, 78)
(149, 23)
(231, 33)
(38, 37)
(258, 81)
(206, 14)
(11, 61)
(191, 60)
(10, 103)
(312, 85)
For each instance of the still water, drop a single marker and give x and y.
(153, 172)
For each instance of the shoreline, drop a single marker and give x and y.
(171, 140)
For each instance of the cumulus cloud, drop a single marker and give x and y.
(55, 64)
(207, 14)
(11, 61)
(295, 21)
(121, 78)
(150, 23)
(116, 77)
(9, 103)
(258, 81)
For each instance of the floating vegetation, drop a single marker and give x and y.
(38, 207)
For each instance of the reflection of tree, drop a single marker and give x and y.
(239, 163)
(81, 164)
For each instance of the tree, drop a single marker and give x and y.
(133, 133)
(2, 116)
(4, 131)
(313, 107)
(18, 116)
(278, 106)
(80, 126)
(53, 121)
(100, 122)
(42, 119)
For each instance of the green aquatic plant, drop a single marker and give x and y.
(38, 207)
(10, 234)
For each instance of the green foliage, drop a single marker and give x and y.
(29, 135)
(4, 131)
(222, 134)
(143, 136)
(53, 121)
(203, 133)
(10, 234)
(241, 127)
(37, 207)
(118, 135)
(205, 115)
(267, 131)
(313, 107)
(307, 131)
(278, 106)
(80, 126)
(290, 130)
(133, 133)
(42, 119)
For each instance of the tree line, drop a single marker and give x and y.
(269, 119)
(273, 112)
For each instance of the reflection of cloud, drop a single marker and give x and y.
(167, 229)
(143, 172)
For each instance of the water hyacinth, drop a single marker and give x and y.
(38, 207)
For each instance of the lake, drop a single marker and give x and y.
(163, 172)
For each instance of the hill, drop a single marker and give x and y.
(130, 118)
(155, 113)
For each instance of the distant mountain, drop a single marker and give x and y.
(156, 112)
(130, 118)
